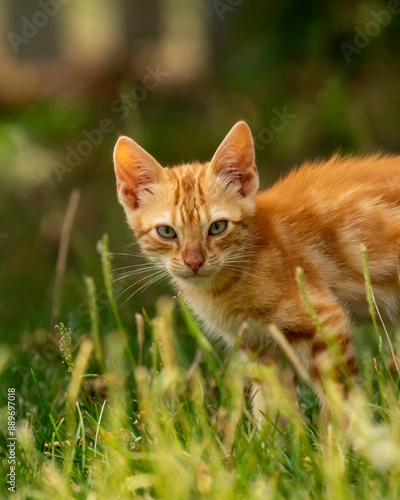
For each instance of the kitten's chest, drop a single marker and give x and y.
(223, 317)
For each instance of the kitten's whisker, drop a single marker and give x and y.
(140, 270)
(236, 268)
(136, 282)
(239, 257)
(163, 275)
(233, 265)
(236, 260)
(133, 273)
(152, 281)
(143, 265)
(240, 262)
(130, 266)
(242, 256)
(242, 253)
(129, 254)
(128, 245)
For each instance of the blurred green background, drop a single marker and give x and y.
(310, 78)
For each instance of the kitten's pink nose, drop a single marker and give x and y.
(194, 264)
(194, 259)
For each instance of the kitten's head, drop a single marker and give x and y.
(194, 219)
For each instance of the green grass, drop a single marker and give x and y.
(153, 410)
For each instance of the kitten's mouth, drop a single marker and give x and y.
(199, 276)
(195, 277)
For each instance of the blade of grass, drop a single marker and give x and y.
(83, 440)
(383, 374)
(63, 254)
(203, 342)
(193, 327)
(372, 306)
(289, 351)
(39, 390)
(94, 320)
(72, 397)
(306, 300)
(140, 335)
(107, 274)
(45, 406)
(98, 427)
(56, 429)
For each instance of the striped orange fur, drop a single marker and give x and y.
(316, 218)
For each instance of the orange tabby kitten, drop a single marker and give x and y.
(233, 252)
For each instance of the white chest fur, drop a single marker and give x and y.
(221, 320)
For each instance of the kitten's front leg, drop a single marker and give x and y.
(267, 398)
(327, 352)
(330, 353)
(271, 389)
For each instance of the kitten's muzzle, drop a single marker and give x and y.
(194, 258)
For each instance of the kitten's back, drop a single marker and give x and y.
(320, 215)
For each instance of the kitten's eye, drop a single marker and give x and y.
(166, 232)
(218, 227)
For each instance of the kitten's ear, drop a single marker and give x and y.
(234, 160)
(136, 172)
